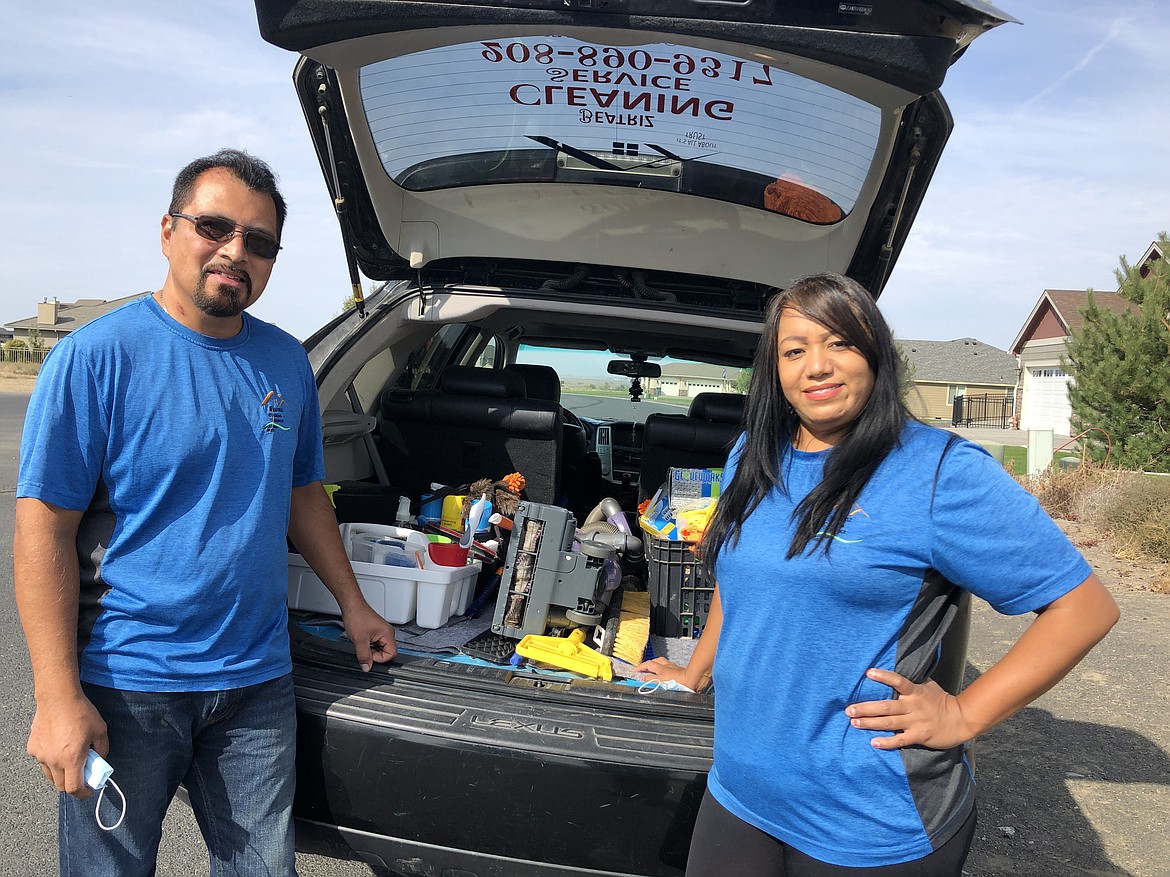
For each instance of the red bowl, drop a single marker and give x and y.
(447, 553)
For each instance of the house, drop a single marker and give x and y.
(687, 380)
(56, 319)
(1042, 346)
(942, 370)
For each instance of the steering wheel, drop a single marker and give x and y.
(571, 418)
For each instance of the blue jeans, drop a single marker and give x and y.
(233, 750)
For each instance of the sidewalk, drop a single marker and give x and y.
(1012, 437)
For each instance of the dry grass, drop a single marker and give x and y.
(23, 369)
(1128, 508)
(1161, 585)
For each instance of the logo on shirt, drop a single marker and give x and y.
(273, 405)
(840, 537)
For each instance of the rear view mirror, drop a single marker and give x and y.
(634, 369)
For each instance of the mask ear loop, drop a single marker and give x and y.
(97, 812)
(649, 686)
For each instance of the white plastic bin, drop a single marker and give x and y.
(427, 596)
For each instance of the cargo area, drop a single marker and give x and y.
(534, 592)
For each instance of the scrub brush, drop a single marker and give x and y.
(633, 627)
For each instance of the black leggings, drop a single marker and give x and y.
(724, 844)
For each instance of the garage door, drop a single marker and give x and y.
(1046, 404)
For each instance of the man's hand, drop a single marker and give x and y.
(372, 635)
(922, 714)
(61, 736)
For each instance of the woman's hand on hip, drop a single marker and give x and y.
(923, 714)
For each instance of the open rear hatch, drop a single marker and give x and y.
(750, 142)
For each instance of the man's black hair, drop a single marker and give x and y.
(249, 170)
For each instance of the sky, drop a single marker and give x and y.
(1055, 169)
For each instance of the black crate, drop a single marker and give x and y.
(362, 502)
(680, 588)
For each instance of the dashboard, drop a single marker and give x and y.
(618, 444)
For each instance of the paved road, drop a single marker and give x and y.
(1078, 785)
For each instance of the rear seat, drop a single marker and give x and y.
(477, 424)
(699, 439)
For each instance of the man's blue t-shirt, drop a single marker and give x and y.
(798, 636)
(182, 451)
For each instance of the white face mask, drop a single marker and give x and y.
(97, 777)
(652, 685)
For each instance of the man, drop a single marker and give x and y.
(169, 447)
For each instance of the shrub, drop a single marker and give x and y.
(1128, 507)
(1063, 492)
(1135, 516)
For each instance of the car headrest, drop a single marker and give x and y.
(718, 407)
(467, 380)
(540, 381)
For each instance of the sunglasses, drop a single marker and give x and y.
(220, 231)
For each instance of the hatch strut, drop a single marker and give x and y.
(339, 205)
(912, 167)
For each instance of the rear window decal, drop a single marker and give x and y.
(557, 109)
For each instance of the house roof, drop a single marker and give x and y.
(74, 315)
(1154, 253)
(1065, 306)
(961, 361)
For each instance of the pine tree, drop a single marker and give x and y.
(1120, 364)
(743, 381)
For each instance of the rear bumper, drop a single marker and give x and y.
(396, 773)
(402, 856)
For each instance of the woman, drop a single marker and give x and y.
(843, 535)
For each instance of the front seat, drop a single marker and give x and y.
(699, 439)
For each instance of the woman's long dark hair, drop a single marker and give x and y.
(845, 308)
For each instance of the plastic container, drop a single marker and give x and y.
(428, 596)
(363, 501)
(385, 550)
(430, 509)
(443, 592)
(447, 554)
(451, 516)
(680, 589)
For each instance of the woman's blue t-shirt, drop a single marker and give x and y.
(798, 636)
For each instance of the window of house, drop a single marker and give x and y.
(955, 390)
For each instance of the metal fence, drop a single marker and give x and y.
(22, 354)
(990, 411)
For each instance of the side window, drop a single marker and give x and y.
(492, 354)
(428, 361)
(955, 390)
